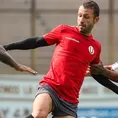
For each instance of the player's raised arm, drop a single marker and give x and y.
(29, 43)
(7, 59)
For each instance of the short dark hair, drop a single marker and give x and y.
(92, 5)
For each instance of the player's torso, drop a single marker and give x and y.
(71, 58)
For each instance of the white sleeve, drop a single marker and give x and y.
(115, 66)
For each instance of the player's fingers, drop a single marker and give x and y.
(31, 71)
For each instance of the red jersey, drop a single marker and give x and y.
(74, 52)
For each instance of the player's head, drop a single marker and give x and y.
(88, 15)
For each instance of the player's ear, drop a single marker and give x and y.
(96, 19)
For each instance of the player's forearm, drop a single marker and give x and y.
(103, 80)
(112, 75)
(7, 59)
(111, 71)
(29, 43)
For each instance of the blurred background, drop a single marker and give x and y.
(20, 19)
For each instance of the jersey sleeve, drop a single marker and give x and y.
(53, 36)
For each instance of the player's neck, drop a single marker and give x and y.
(87, 34)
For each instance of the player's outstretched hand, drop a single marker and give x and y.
(24, 68)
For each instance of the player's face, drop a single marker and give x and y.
(86, 20)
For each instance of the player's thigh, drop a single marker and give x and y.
(64, 117)
(42, 105)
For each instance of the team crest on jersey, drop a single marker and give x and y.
(91, 50)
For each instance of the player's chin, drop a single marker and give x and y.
(82, 30)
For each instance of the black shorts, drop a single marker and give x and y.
(60, 107)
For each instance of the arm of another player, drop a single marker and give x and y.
(103, 80)
(7, 59)
(108, 71)
(88, 71)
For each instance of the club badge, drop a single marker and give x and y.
(91, 50)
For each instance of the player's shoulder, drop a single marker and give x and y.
(96, 41)
(65, 26)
